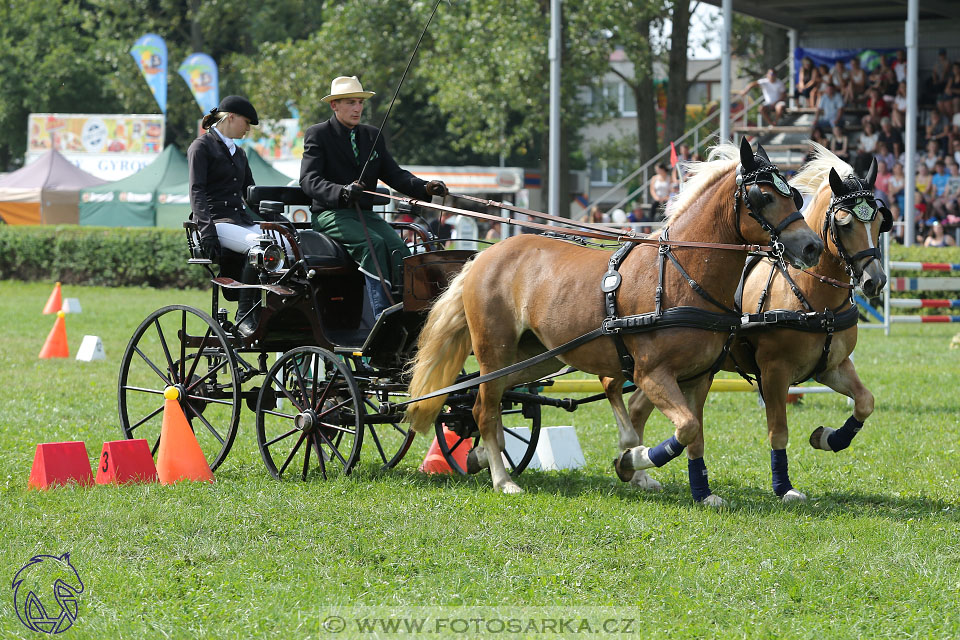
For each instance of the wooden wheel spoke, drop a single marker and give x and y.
(209, 373)
(292, 453)
(516, 435)
(196, 360)
(306, 461)
(459, 442)
(155, 368)
(323, 463)
(183, 346)
(301, 383)
(376, 441)
(326, 390)
(283, 388)
(506, 455)
(166, 350)
(333, 408)
(148, 416)
(281, 437)
(333, 448)
(211, 400)
(207, 423)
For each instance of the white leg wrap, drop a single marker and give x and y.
(794, 496)
(823, 438)
(713, 500)
(639, 459)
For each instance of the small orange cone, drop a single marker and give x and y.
(56, 344)
(436, 463)
(179, 456)
(54, 302)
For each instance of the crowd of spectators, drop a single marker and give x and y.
(861, 114)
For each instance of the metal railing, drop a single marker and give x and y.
(694, 133)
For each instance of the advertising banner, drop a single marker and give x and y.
(199, 71)
(150, 54)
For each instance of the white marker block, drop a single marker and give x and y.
(517, 448)
(558, 448)
(91, 349)
(71, 305)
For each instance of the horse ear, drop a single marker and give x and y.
(762, 152)
(836, 184)
(746, 155)
(872, 173)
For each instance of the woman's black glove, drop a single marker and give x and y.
(436, 188)
(211, 248)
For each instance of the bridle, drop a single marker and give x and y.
(862, 205)
(765, 174)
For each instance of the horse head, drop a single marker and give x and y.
(854, 227)
(774, 206)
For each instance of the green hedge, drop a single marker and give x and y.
(104, 256)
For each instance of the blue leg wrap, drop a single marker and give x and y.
(842, 437)
(699, 484)
(665, 451)
(778, 465)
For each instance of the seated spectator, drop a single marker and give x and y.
(949, 100)
(808, 82)
(774, 96)
(882, 182)
(924, 186)
(932, 157)
(891, 136)
(939, 178)
(883, 154)
(877, 107)
(898, 115)
(830, 108)
(839, 143)
(895, 186)
(938, 79)
(938, 131)
(866, 145)
(636, 212)
(595, 215)
(660, 187)
(858, 82)
(840, 78)
(900, 66)
(937, 238)
(945, 206)
(824, 71)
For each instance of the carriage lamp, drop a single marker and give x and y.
(269, 258)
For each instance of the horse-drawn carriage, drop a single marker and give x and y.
(323, 393)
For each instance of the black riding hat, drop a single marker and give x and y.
(232, 104)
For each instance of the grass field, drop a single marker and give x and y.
(874, 553)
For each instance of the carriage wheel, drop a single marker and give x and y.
(309, 409)
(183, 347)
(391, 440)
(520, 445)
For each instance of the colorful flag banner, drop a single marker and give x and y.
(199, 71)
(150, 53)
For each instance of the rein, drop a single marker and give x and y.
(607, 235)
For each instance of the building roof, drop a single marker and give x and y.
(805, 14)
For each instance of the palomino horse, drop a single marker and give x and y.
(530, 294)
(816, 331)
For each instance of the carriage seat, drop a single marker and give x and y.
(320, 250)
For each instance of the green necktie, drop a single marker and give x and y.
(353, 143)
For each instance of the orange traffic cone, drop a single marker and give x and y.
(54, 302)
(56, 344)
(436, 463)
(180, 456)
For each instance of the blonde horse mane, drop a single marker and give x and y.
(702, 175)
(815, 175)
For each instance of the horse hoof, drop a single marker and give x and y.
(511, 488)
(793, 496)
(714, 501)
(477, 460)
(625, 475)
(643, 481)
(818, 439)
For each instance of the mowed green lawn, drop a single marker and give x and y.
(875, 552)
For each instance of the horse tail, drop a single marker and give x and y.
(443, 347)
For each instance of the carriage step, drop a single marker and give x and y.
(230, 283)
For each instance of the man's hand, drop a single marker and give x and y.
(351, 193)
(211, 248)
(436, 188)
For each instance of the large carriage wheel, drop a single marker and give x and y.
(391, 440)
(310, 414)
(183, 347)
(520, 447)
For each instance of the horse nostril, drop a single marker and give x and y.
(812, 251)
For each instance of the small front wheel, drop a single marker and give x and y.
(309, 409)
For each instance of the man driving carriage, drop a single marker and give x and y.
(335, 154)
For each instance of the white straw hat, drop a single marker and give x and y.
(346, 87)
